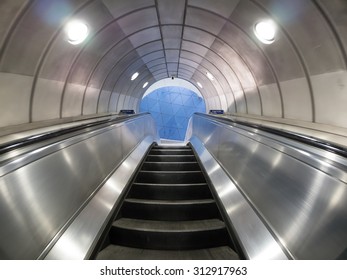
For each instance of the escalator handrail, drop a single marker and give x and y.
(308, 140)
(37, 138)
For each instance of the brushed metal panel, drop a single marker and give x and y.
(39, 198)
(222, 7)
(94, 217)
(254, 238)
(297, 190)
(17, 101)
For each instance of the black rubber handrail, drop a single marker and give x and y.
(34, 139)
(309, 140)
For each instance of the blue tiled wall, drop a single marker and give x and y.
(171, 108)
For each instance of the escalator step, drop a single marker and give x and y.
(171, 152)
(170, 210)
(167, 177)
(160, 235)
(116, 252)
(170, 158)
(170, 166)
(170, 191)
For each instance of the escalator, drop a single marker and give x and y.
(168, 213)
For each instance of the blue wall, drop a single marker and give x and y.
(171, 108)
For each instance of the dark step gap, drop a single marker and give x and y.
(171, 158)
(171, 152)
(170, 191)
(169, 210)
(171, 166)
(176, 177)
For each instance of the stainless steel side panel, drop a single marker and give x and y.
(40, 198)
(253, 236)
(298, 197)
(81, 236)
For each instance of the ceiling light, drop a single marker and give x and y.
(265, 31)
(145, 84)
(76, 31)
(210, 76)
(199, 84)
(134, 76)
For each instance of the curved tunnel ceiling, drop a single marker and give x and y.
(301, 76)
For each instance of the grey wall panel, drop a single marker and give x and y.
(46, 104)
(330, 97)
(296, 101)
(271, 100)
(72, 103)
(103, 101)
(90, 101)
(39, 199)
(17, 101)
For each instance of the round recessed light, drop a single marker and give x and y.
(134, 76)
(210, 76)
(265, 31)
(199, 84)
(145, 84)
(76, 31)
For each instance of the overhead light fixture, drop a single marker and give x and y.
(145, 84)
(77, 31)
(210, 76)
(265, 31)
(199, 84)
(134, 76)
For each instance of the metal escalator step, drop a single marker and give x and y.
(170, 158)
(170, 166)
(160, 235)
(171, 152)
(166, 177)
(116, 252)
(165, 147)
(170, 191)
(170, 210)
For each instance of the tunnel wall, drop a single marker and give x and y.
(301, 76)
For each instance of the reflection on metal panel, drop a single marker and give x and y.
(40, 198)
(301, 199)
(94, 217)
(255, 239)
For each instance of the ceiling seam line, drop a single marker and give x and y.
(334, 30)
(160, 30)
(182, 33)
(115, 65)
(14, 24)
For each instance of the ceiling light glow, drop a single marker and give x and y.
(210, 76)
(265, 31)
(76, 32)
(145, 84)
(134, 76)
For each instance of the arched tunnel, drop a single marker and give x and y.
(77, 159)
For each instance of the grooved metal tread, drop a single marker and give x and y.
(169, 226)
(170, 185)
(170, 171)
(170, 202)
(116, 252)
